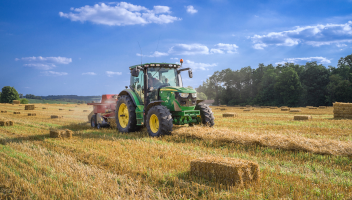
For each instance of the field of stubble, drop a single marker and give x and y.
(298, 159)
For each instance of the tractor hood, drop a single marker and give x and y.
(178, 89)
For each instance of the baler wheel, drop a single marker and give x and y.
(159, 121)
(93, 121)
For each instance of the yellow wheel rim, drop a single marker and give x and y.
(123, 115)
(154, 123)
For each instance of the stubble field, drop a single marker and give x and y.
(298, 159)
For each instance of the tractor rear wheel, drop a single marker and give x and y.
(159, 121)
(125, 115)
(206, 114)
(93, 121)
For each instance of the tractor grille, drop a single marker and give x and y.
(189, 101)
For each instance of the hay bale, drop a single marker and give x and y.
(245, 110)
(3, 111)
(44, 108)
(32, 114)
(322, 107)
(222, 108)
(248, 106)
(56, 116)
(302, 117)
(295, 110)
(2, 123)
(16, 113)
(229, 115)
(223, 105)
(313, 108)
(227, 171)
(242, 108)
(285, 109)
(70, 110)
(66, 133)
(85, 110)
(61, 109)
(16, 102)
(342, 110)
(6, 123)
(29, 107)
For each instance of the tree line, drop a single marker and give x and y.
(289, 84)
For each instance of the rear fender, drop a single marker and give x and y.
(151, 104)
(132, 95)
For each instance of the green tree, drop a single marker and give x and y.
(24, 101)
(9, 94)
(201, 96)
(288, 87)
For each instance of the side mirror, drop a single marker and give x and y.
(135, 72)
(190, 73)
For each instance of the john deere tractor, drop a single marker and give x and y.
(157, 99)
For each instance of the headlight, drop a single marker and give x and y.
(184, 95)
(194, 95)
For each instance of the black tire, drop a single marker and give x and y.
(164, 118)
(206, 114)
(132, 121)
(93, 121)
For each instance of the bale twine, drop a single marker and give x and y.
(6, 123)
(32, 114)
(3, 111)
(229, 115)
(285, 109)
(342, 110)
(16, 102)
(302, 117)
(295, 110)
(322, 107)
(228, 171)
(29, 107)
(66, 133)
(16, 113)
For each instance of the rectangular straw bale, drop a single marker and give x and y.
(32, 114)
(342, 110)
(295, 110)
(85, 110)
(61, 109)
(322, 107)
(302, 117)
(29, 107)
(70, 110)
(222, 108)
(229, 115)
(313, 108)
(68, 133)
(44, 108)
(247, 110)
(56, 116)
(2, 123)
(54, 133)
(3, 111)
(242, 108)
(227, 171)
(16, 113)
(9, 123)
(16, 102)
(223, 105)
(248, 106)
(285, 109)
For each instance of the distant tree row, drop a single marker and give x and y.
(289, 84)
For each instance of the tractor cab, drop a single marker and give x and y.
(157, 99)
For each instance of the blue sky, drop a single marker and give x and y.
(81, 47)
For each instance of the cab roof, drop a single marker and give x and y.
(163, 65)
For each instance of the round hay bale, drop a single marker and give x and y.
(229, 115)
(302, 117)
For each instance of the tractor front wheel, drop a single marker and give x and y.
(159, 121)
(206, 114)
(125, 115)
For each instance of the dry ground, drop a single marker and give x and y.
(298, 159)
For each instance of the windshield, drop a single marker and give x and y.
(160, 77)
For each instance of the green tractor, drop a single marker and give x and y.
(157, 99)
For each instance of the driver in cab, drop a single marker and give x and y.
(152, 82)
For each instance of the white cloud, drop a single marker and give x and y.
(174, 58)
(89, 73)
(341, 45)
(229, 48)
(120, 14)
(155, 54)
(188, 49)
(195, 66)
(317, 35)
(320, 60)
(110, 73)
(191, 10)
(52, 73)
(44, 63)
